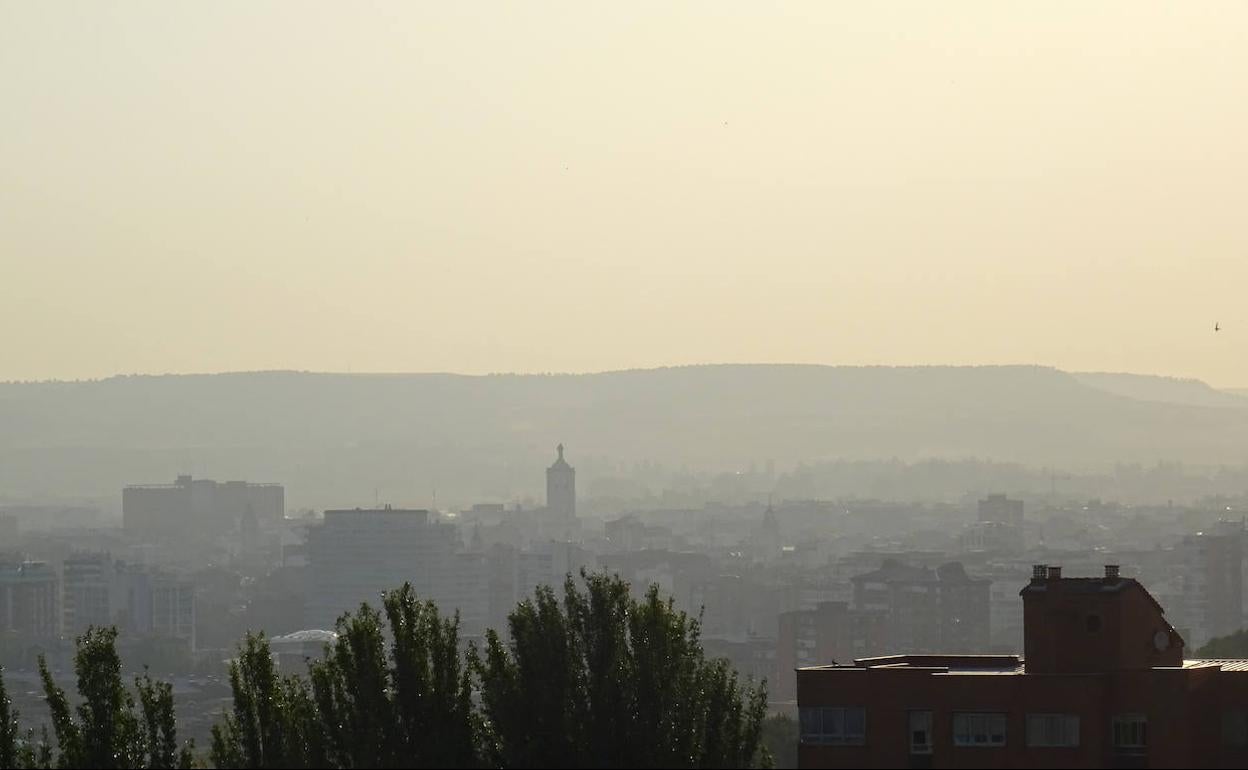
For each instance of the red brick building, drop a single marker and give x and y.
(1102, 683)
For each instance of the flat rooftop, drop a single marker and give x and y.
(988, 664)
(1238, 665)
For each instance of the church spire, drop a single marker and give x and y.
(559, 462)
(561, 487)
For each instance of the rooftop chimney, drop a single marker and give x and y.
(1111, 571)
(1038, 571)
(1055, 573)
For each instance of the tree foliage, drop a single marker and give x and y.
(272, 723)
(18, 749)
(603, 680)
(598, 679)
(364, 704)
(9, 728)
(595, 679)
(1230, 646)
(105, 730)
(780, 737)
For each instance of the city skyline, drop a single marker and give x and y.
(585, 384)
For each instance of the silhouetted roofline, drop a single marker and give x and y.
(1089, 585)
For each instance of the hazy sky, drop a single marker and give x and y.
(540, 186)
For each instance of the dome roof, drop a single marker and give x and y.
(306, 636)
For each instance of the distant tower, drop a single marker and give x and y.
(561, 488)
(768, 536)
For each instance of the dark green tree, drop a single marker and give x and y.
(780, 738)
(273, 722)
(604, 680)
(597, 680)
(533, 690)
(350, 688)
(10, 742)
(104, 730)
(436, 723)
(408, 706)
(16, 750)
(1230, 646)
(158, 724)
(364, 704)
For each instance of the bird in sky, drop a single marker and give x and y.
(1216, 327)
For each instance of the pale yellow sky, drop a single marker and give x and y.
(539, 186)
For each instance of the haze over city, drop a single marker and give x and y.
(581, 384)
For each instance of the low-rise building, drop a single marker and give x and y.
(1102, 683)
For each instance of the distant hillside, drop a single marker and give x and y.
(338, 439)
(1167, 390)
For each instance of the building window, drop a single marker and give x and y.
(920, 732)
(1052, 730)
(978, 729)
(1235, 729)
(834, 726)
(1130, 731)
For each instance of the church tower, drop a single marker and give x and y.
(561, 488)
